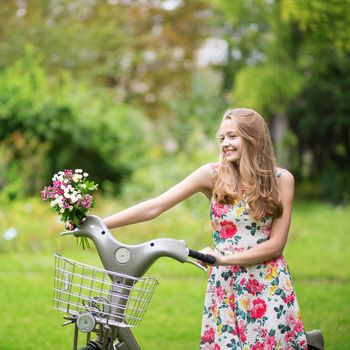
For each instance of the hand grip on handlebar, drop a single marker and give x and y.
(209, 259)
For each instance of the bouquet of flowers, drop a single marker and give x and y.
(70, 195)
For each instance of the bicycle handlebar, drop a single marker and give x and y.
(209, 259)
(133, 260)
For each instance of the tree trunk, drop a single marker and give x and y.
(279, 135)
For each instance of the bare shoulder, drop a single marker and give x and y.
(211, 167)
(207, 171)
(204, 177)
(285, 177)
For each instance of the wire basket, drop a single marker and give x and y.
(111, 298)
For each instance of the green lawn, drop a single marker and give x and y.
(318, 253)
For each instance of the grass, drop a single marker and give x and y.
(318, 253)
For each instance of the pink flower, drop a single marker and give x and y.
(220, 293)
(302, 344)
(266, 229)
(228, 229)
(271, 342)
(219, 209)
(258, 346)
(217, 347)
(231, 301)
(235, 268)
(86, 201)
(240, 330)
(254, 286)
(208, 336)
(289, 337)
(298, 327)
(259, 308)
(57, 184)
(289, 298)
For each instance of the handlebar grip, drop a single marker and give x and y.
(209, 259)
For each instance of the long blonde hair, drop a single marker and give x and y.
(254, 174)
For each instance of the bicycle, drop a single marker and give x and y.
(109, 302)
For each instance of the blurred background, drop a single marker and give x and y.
(132, 91)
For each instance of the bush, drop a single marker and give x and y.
(49, 124)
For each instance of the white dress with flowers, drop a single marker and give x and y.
(252, 307)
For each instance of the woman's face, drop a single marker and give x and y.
(231, 144)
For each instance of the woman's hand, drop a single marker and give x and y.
(70, 226)
(219, 258)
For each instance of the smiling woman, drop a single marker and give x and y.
(250, 299)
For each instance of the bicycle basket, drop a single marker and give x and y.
(111, 298)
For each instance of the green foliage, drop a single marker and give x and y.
(75, 99)
(326, 22)
(144, 52)
(267, 88)
(335, 185)
(200, 112)
(294, 62)
(320, 118)
(48, 125)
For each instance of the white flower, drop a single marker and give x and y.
(76, 178)
(61, 211)
(86, 174)
(78, 171)
(67, 195)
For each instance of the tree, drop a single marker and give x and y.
(48, 125)
(142, 50)
(300, 73)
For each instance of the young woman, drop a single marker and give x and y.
(250, 301)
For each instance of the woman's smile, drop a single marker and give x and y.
(231, 142)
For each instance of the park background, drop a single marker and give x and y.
(132, 92)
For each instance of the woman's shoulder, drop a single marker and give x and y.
(284, 175)
(214, 167)
(208, 170)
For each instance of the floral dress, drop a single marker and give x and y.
(248, 307)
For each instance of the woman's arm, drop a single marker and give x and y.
(273, 247)
(198, 181)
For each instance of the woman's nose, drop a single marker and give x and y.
(224, 142)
